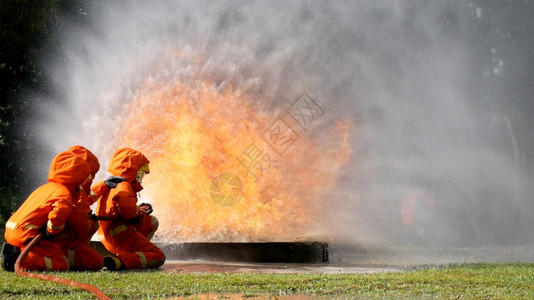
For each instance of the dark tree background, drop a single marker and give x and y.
(26, 29)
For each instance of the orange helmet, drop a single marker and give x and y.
(126, 162)
(69, 170)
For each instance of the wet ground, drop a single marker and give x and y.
(262, 268)
(429, 256)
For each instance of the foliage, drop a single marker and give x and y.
(7, 205)
(25, 30)
(503, 281)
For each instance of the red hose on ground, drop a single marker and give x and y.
(98, 293)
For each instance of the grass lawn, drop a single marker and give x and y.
(488, 281)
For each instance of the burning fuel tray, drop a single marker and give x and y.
(266, 252)
(269, 252)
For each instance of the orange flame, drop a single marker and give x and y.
(195, 136)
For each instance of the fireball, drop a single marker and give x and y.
(224, 167)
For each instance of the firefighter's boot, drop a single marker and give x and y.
(10, 254)
(113, 263)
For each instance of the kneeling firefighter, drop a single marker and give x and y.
(81, 226)
(128, 236)
(46, 210)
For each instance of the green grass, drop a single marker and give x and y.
(486, 281)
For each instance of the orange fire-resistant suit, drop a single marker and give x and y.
(128, 237)
(74, 239)
(48, 208)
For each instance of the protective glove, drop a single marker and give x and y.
(147, 208)
(50, 237)
(112, 181)
(136, 220)
(92, 216)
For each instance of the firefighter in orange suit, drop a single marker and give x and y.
(46, 210)
(128, 236)
(81, 226)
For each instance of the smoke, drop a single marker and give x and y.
(407, 73)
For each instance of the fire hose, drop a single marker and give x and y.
(98, 293)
